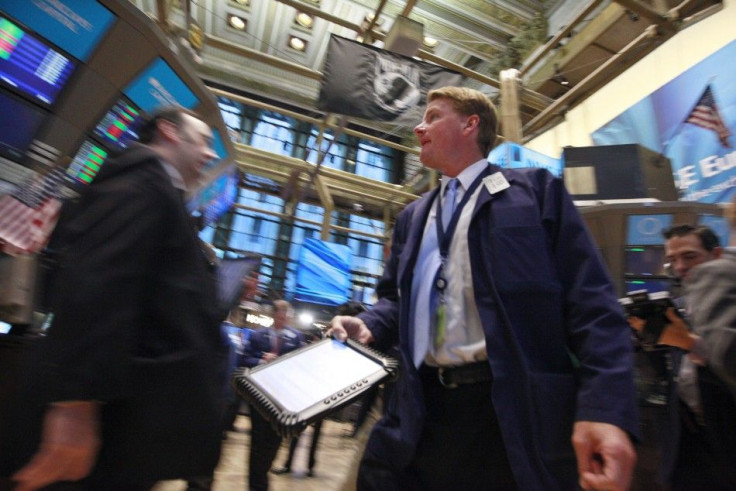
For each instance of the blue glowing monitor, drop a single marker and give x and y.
(30, 66)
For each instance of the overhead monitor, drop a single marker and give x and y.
(644, 261)
(119, 126)
(76, 26)
(19, 123)
(87, 162)
(31, 66)
(159, 85)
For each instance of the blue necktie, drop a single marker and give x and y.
(423, 291)
(450, 202)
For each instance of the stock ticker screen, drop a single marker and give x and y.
(87, 162)
(30, 66)
(119, 126)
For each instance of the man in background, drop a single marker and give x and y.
(700, 442)
(265, 346)
(126, 390)
(516, 362)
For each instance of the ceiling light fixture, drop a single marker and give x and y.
(237, 22)
(430, 42)
(297, 44)
(304, 20)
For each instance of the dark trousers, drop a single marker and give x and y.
(312, 447)
(460, 447)
(264, 445)
(707, 448)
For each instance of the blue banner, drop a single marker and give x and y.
(692, 121)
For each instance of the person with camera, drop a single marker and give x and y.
(700, 444)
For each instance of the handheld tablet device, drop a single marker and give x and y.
(307, 384)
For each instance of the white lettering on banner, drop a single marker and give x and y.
(714, 165)
(686, 177)
(704, 193)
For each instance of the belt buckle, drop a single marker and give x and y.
(441, 378)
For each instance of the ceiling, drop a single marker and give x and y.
(585, 44)
(592, 41)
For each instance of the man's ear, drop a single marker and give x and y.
(472, 122)
(168, 130)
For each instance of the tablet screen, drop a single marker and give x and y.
(314, 375)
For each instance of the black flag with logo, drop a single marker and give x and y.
(368, 82)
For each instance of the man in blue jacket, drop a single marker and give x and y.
(265, 346)
(511, 339)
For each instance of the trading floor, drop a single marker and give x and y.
(334, 456)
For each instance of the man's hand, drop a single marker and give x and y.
(676, 332)
(605, 456)
(344, 326)
(268, 356)
(69, 446)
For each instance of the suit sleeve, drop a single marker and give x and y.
(711, 290)
(598, 335)
(253, 353)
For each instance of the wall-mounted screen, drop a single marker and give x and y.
(31, 66)
(119, 126)
(652, 286)
(644, 261)
(76, 26)
(719, 225)
(159, 85)
(19, 123)
(87, 162)
(647, 229)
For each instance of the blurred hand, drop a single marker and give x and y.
(636, 323)
(269, 356)
(344, 326)
(677, 333)
(605, 456)
(69, 446)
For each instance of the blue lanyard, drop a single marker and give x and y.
(444, 237)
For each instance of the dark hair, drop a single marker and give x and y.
(707, 237)
(172, 114)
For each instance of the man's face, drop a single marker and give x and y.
(279, 318)
(439, 133)
(686, 252)
(195, 148)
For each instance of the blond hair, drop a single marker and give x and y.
(468, 102)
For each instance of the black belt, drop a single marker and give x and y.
(451, 377)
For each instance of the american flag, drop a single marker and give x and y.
(28, 215)
(705, 114)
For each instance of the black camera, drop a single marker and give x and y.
(652, 308)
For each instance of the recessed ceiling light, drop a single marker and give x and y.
(237, 22)
(304, 20)
(430, 42)
(297, 43)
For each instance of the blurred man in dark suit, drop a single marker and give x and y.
(126, 390)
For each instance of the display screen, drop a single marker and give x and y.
(119, 126)
(76, 26)
(644, 261)
(30, 66)
(651, 286)
(19, 123)
(87, 162)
